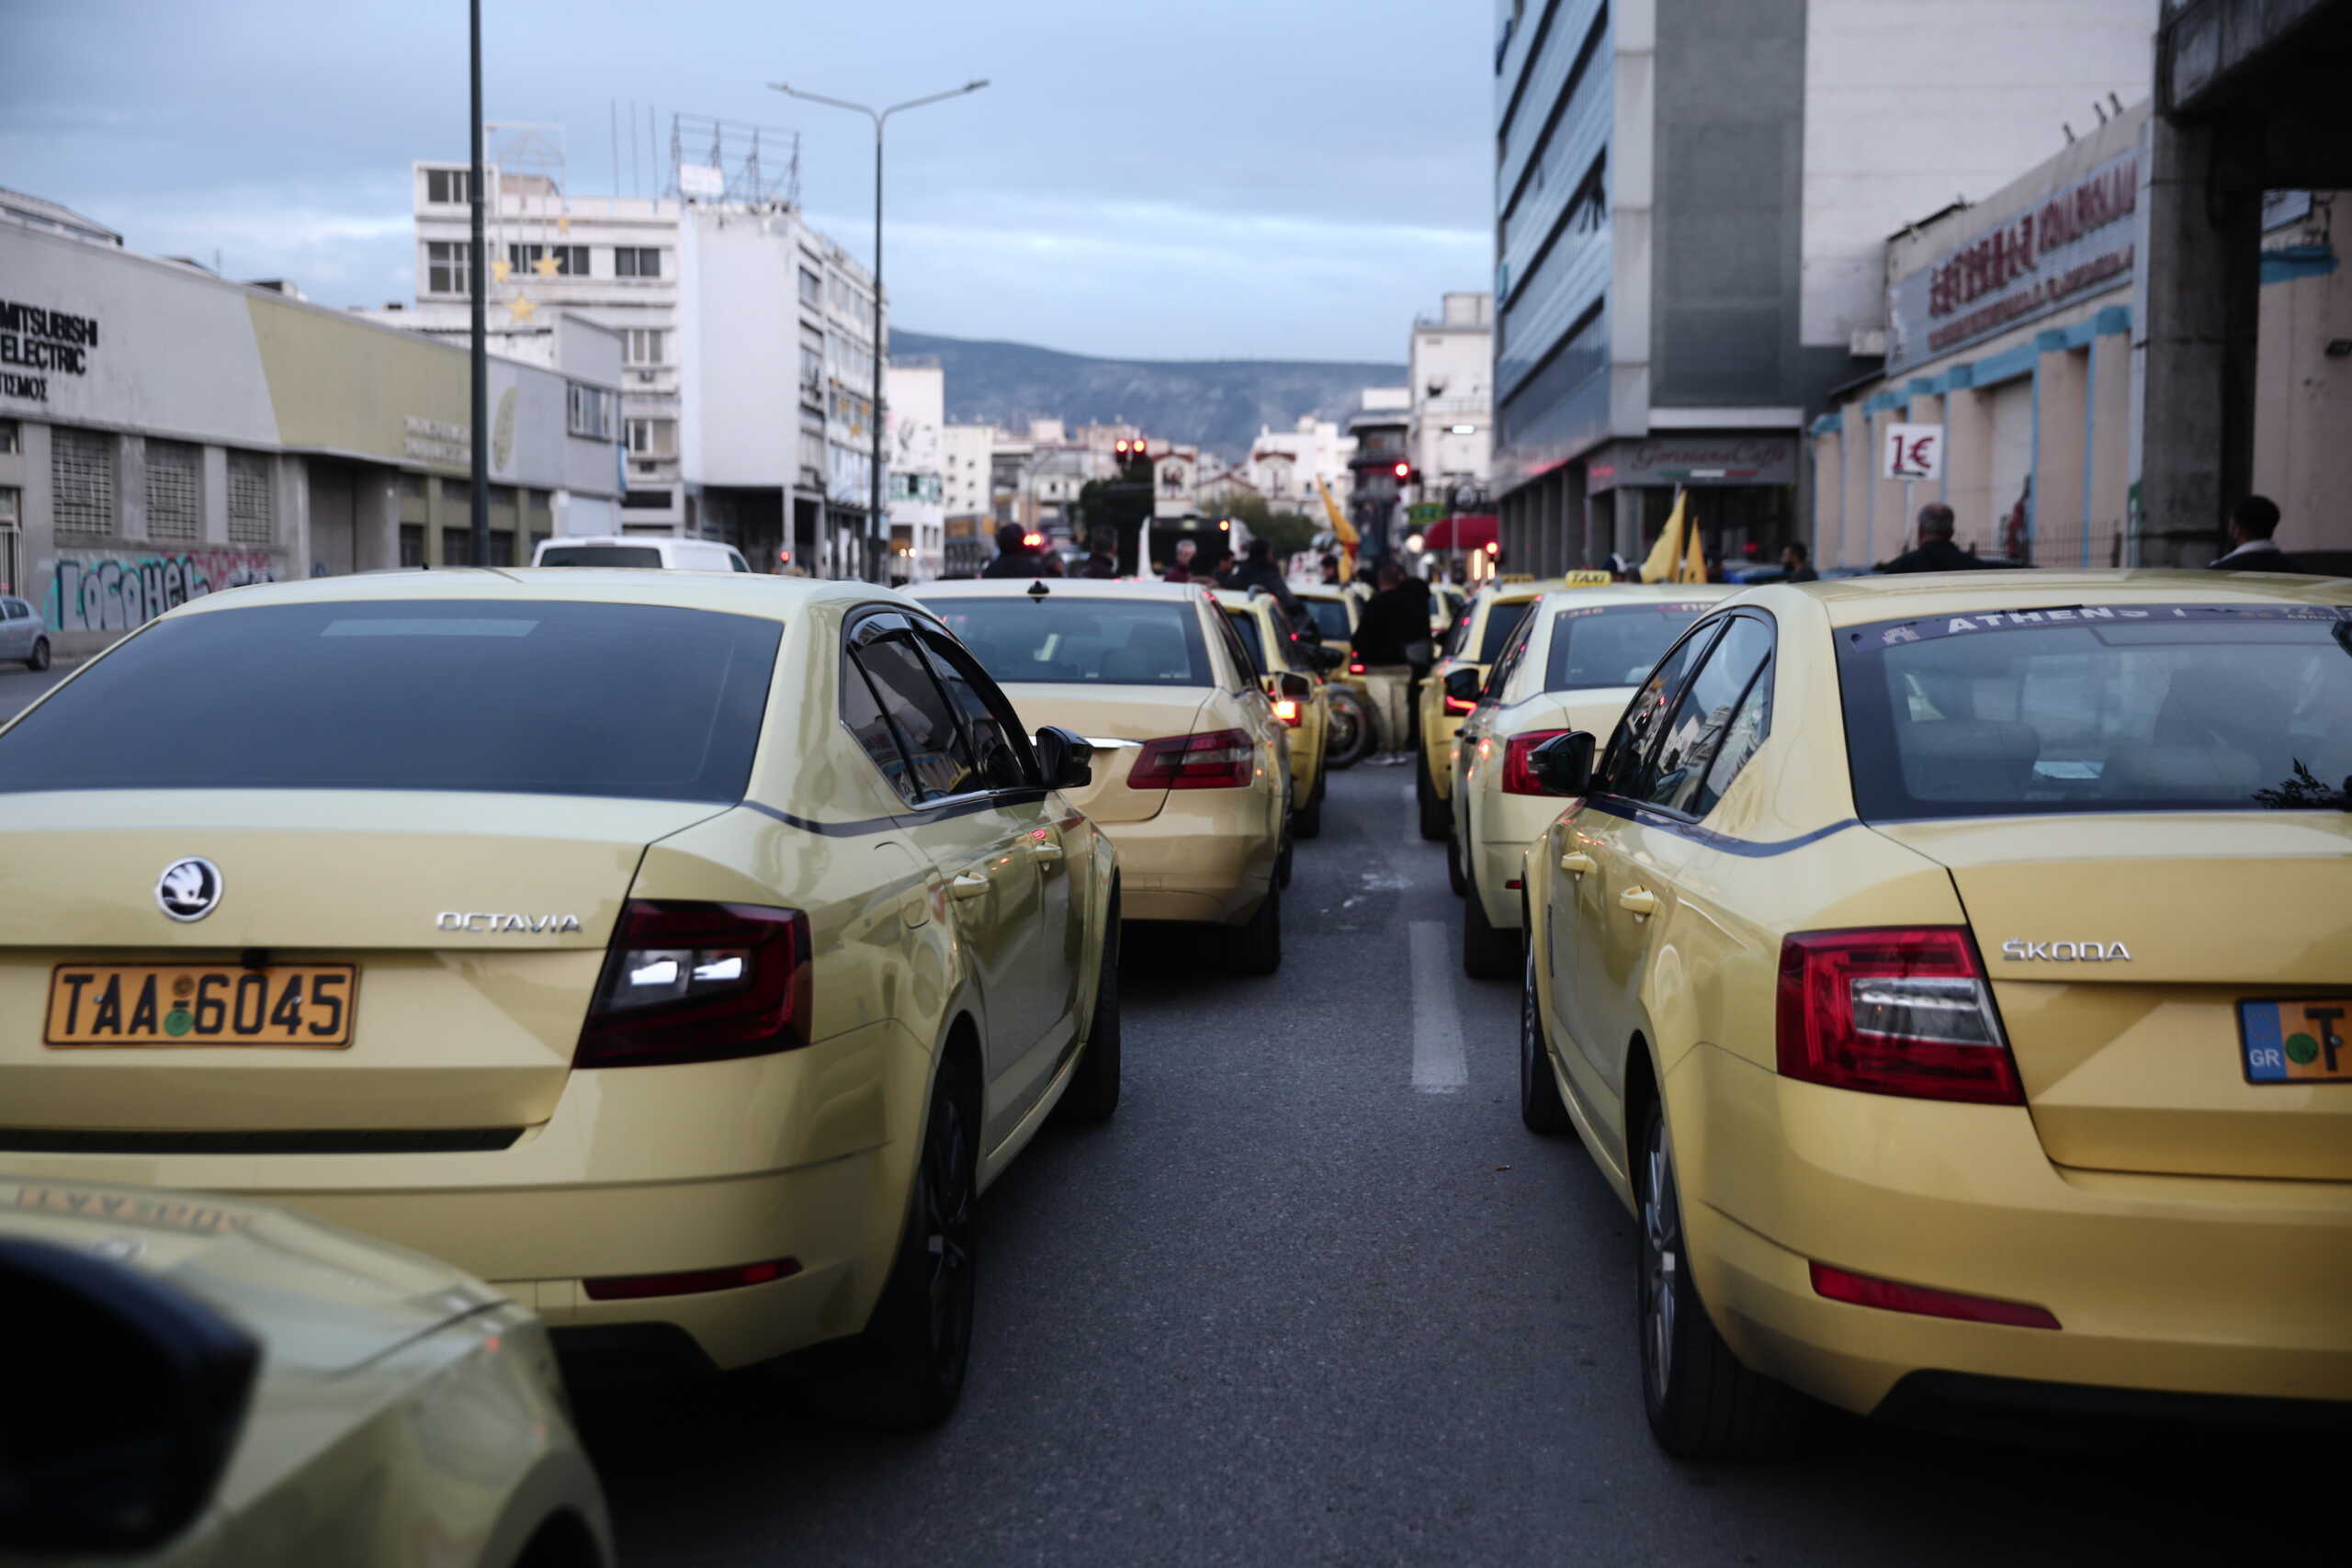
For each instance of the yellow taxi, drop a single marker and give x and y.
(1477, 639)
(249, 1386)
(682, 953)
(1335, 609)
(1191, 766)
(1446, 605)
(1289, 665)
(1951, 973)
(1572, 664)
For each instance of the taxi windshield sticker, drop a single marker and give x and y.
(1879, 636)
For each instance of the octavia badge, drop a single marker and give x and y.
(189, 889)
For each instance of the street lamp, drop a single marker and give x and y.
(879, 118)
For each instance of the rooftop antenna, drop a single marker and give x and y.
(2116, 101)
(2099, 109)
(2069, 130)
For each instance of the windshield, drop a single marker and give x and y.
(600, 555)
(2099, 708)
(1612, 645)
(1330, 617)
(508, 696)
(1131, 642)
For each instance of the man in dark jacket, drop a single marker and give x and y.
(1393, 640)
(1013, 556)
(1102, 554)
(2252, 523)
(1936, 552)
(1796, 559)
(1258, 571)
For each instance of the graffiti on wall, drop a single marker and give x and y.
(103, 590)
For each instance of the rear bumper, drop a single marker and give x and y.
(1503, 826)
(2226, 1287)
(643, 1170)
(1208, 856)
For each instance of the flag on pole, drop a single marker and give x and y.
(1342, 530)
(1677, 556)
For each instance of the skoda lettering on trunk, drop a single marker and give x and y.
(2065, 952)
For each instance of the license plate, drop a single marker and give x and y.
(2297, 1041)
(302, 1004)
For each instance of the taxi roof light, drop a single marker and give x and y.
(1902, 1010)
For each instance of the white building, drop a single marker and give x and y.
(1451, 438)
(1285, 465)
(916, 450)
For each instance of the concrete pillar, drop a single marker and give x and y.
(1550, 524)
(2109, 493)
(376, 519)
(2061, 419)
(1568, 522)
(1968, 461)
(1890, 512)
(2197, 301)
(1630, 543)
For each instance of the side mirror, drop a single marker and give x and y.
(1562, 764)
(1465, 684)
(1297, 688)
(118, 1430)
(1065, 758)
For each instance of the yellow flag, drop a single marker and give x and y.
(1342, 530)
(1676, 556)
(1694, 559)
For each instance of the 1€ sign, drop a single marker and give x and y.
(1915, 451)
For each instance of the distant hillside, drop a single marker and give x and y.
(1221, 404)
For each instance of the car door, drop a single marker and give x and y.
(16, 629)
(1475, 754)
(1240, 681)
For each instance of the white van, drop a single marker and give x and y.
(655, 551)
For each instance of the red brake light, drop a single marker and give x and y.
(691, 1282)
(1861, 1290)
(698, 983)
(1216, 759)
(1519, 772)
(1457, 706)
(1355, 666)
(1897, 1011)
(1286, 710)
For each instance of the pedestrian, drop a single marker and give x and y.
(1796, 559)
(1258, 571)
(1014, 555)
(1330, 572)
(1221, 573)
(1102, 554)
(1181, 571)
(2252, 523)
(1935, 551)
(1393, 640)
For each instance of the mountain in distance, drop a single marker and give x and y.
(1222, 404)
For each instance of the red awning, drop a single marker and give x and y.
(1476, 532)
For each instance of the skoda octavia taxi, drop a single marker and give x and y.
(1478, 637)
(1192, 769)
(1289, 664)
(681, 952)
(1951, 973)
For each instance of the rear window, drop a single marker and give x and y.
(1597, 645)
(1330, 618)
(601, 555)
(2099, 708)
(511, 697)
(1253, 638)
(1064, 639)
(1502, 621)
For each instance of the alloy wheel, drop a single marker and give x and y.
(1661, 1259)
(947, 1237)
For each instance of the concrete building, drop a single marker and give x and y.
(1450, 360)
(748, 348)
(1285, 465)
(166, 433)
(917, 396)
(1692, 200)
(1381, 432)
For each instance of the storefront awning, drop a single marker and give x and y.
(1473, 532)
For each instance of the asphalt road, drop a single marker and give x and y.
(1289, 1307)
(19, 686)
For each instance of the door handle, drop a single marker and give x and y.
(970, 884)
(1046, 852)
(1640, 900)
(1577, 865)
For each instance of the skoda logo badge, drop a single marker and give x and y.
(189, 889)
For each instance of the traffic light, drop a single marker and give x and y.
(1404, 474)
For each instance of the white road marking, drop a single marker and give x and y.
(1439, 1065)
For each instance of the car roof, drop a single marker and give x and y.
(1641, 593)
(1082, 587)
(1241, 598)
(1851, 601)
(733, 592)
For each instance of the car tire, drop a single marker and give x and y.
(1437, 816)
(1454, 876)
(1308, 822)
(39, 657)
(1255, 947)
(1094, 1092)
(1283, 865)
(907, 1370)
(1351, 737)
(1488, 952)
(1702, 1403)
(1540, 1105)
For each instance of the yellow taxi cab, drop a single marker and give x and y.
(1447, 602)
(1477, 639)
(249, 1386)
(1289, 665)
(1191, 768)
(1951, 973)
(1335, 609)
(682, 953)
(1572, 664)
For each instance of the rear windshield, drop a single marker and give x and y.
(2099, 708)
(1330, 617)
(600, 555)
(512, 696)
(1253, 638)
(1065, 639)
(1502, 621)
(1612, 645)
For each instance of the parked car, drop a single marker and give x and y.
(23, 634)
(656, 552)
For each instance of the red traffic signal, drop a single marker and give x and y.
(1120, 446)
(1404, 471)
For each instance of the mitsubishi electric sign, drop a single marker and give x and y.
(2074, 239)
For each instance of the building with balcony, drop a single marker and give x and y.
(1382, 434)
(916, 452)
(1451, 361)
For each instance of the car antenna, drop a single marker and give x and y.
(1037, 589)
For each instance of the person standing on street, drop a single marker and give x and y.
(1935, 552)
(1393, 640)
(1102, 554)
(1258, 571)
(2252, 523)
(1013, 556)
(1221, 570)
(1796, 559)
(1181, 571)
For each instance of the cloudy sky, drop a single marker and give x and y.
(1179, 178)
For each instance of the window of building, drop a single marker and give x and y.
(653, 437)
(10, 439)
(591, 412)
(175, 491)
(445, 267)
(253, 514)
(444, 187)
(457, 546)
(648, 500)
(411, 544)
(812, 289)
(637, 261)
(81, 477)
(570, 261)
(645, 345)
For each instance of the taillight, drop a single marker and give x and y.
(1355, 666)
(1218, 759)
(1287, 711)
(1887, 1295)
(1898, 1012)
(1458, 705)
(1519, 771)
(698, 983)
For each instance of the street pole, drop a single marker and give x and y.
(874, 521)
(475, 273)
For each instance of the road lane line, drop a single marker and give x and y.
(1439, 1065)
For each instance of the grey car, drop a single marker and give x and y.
(23, 634)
